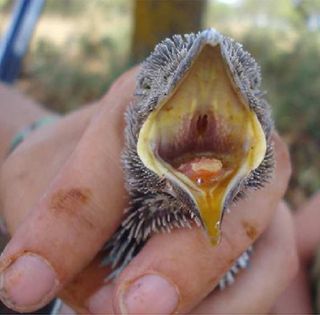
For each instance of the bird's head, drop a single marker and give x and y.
(202, 126)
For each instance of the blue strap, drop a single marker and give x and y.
(14, 43)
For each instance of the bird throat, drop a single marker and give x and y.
(204, 137)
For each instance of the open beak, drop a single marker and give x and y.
(204, 137)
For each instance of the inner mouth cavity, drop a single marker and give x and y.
(201, 148)
(204, 137)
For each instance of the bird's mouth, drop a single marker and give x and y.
(204, 137)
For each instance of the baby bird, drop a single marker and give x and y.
(197, 137)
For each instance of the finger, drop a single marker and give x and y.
(307, 226)
(182, 267)
(72, 220)
(78, 292)
(53, 143)
(297, 298)
(274, 263)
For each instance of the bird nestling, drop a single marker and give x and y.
(197, 137)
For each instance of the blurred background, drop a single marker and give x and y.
(79, 47)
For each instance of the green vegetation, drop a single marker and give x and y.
(78, 49)
(81, 46)
(78, 74)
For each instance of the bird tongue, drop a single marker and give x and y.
(202, 170)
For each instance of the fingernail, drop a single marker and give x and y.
(29, 282)
(101, 301)
(150, 294)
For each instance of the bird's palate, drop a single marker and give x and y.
(204, 137)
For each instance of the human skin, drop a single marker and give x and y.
(297, 298)
(17, 111)
(62, 197)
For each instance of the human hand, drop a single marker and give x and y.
(62, 197)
